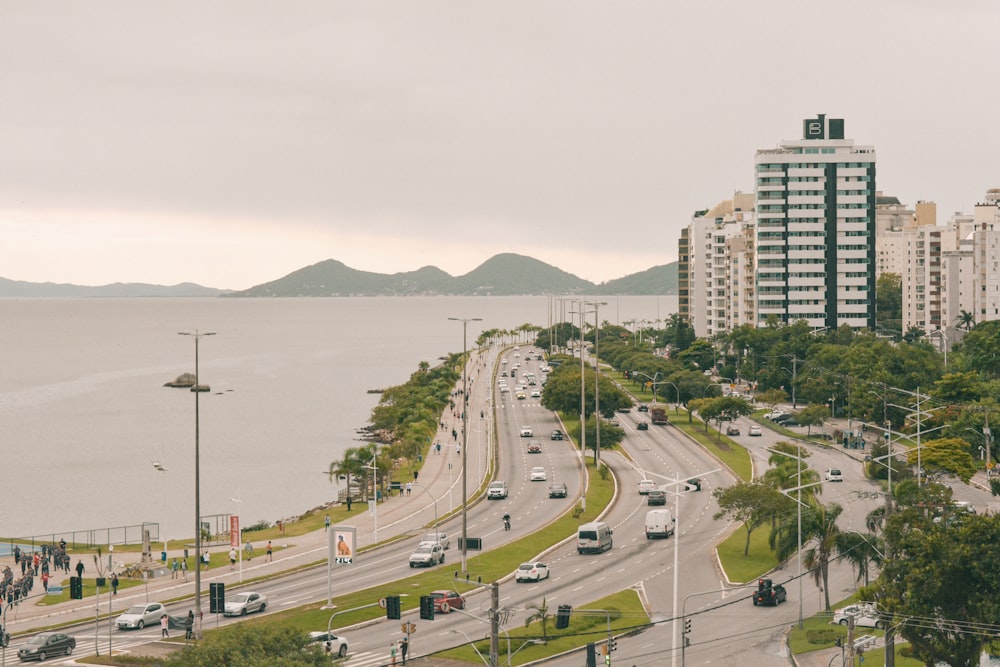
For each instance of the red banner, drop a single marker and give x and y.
(234, 531)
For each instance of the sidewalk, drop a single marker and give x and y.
(397, 516)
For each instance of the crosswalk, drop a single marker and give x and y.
(370, 659)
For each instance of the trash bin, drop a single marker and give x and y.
(185, 554)
(163, 556)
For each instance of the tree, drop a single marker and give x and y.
(889, 302)
(540, 613)
(725, 409)
(812, 415)
(861, 551)
(752, 503)
(820, 531)
(965, 320)
(945, 455)
(772, 397)
(251, 645)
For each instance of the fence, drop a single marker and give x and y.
(85, 539)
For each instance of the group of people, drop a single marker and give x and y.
(35, 564)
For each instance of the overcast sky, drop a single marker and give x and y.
(229, 143)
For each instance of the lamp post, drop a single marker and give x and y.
(465, 433)
(597, 379)
(676, 390)
(236, 539)
(197, 335)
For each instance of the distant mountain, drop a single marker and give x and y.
(506, 274)
(21, 289)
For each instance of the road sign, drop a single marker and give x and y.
(382, 603)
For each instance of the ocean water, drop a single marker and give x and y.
(84, 415)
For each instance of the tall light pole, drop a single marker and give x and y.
(583, 395)
(597, 380)
(197, 335)
(465, 433)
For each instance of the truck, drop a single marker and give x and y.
(658, 416)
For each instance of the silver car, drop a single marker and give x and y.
(245, 603)
(139, 616)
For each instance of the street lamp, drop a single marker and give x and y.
(472, 643)
(197, 335)
(236, 540)
(465, 432)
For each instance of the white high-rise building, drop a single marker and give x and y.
(815, 239)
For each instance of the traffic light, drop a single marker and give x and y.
(392, 610)
(687, 626)
(612, 644)
(75, 588)
(216, 598)
(427, 607)
(562, 616)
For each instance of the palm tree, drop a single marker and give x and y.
(862, 551)
(965, 320)
(819, 528)
(541, 614)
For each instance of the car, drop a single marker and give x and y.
(332, 644)
(526, 432)
(556, 435)
(643, 407)
(754, 431)
(496, 491)
(445, 601)
(139, 616)
(537, 474)
(777, 415)
(645, 486)
(865, 615)
(534, 447)
(558, 490)
(242, 604)
(732, 429)
(534, 571)
(656, 497)
(833, 475)
(769, 594)
(436, 538)
(46, 644)
(693, 484)
(535, 393)
(625, 409)
(642, 426)
(427, 556)
(521, 396)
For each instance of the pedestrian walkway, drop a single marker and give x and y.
(435, 491)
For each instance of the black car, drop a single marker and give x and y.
(46, 644)
(558, 490)
(642, 426)
(557, 435)
(694, 484)
(643, 407)
(656, 498)
(769, 594)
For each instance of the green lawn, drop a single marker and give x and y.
(758, 561)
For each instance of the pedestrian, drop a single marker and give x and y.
(207, 559)
(416, 473)
(409, 488)
(45, 581)
(184, 569)
(249, 550)
(114, 584)
(189, 625)
(404, 645)
(79, 569)
(164, 626)
(174, 567)
(392, 653)
(326, 523)
(232, 559)
(348, 502)
(281, 526)
(269, 552)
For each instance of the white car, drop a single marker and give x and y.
(496, 491)
(754, 430)
(436, 538)
(538, 474)
(833, 475)
(531, 572)
(427, 556)
(332, 644)
(645, 486)
(242, 604)
(526, 432)
(139, 616)
(865, 615)
(535, 393)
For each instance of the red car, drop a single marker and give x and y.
(445, 601)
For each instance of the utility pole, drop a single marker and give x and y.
(494, 624)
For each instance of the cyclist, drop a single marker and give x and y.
(506, 521)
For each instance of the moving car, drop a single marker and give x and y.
(496, 490)
(769, 594)
(526, 432)
(242, 604)
(427, 556)
(139, 616)
(46, 644)
(625, 409)
(865, 615)
(656, 498)
(445, 601)
(754, 430)
(645, 486)
(833, 475)
(436, 538)
(659, 523)
(532, 572)
(643, 407)
(535, 393)
(537, 474)
(556, 435)
(693, 484)
(732, 429)
(535, 447)
(332, 644)
(558, 490)
(643, 426)
(521, 395)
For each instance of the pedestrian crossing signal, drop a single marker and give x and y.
(75, 588)
(426, 607)
(392, 610)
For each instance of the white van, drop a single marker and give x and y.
(659, 523)
(593, 538)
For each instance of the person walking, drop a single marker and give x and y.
(184, 569)
(174, 567)
(404, 645)
(326, 523)
(114, 584)
(79, 569)
(232, 558)
(270, 556)
(164, 626)
(189, 625)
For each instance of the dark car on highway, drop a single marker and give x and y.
(656, 498)
(557, 435)
(558, 490)
(41, 647)
(769, 594)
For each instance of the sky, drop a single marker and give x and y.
(229, 143)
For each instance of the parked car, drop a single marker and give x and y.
(732, 429)
(645, 486)
(332, 644)
(642, 426)
(656, 498)
(242, 604)
(445, 601)
(427, 556)
(754, 430)
(534, 571)
(537, 474)
(436, 538)
(139, 616)
(496, 490)
(556, 435)
(558, 490)
(46, 644)
(833, 475)
(534, 447)
(865, 615)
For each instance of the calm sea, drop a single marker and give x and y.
(84, 413)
